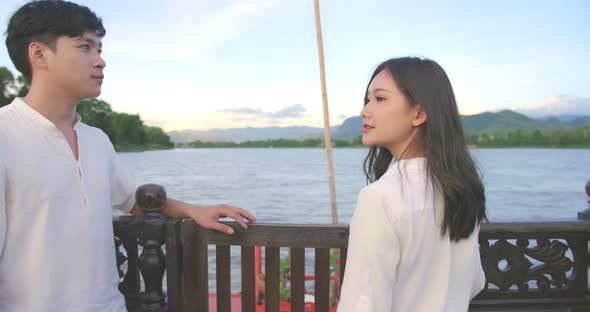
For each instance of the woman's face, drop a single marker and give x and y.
(389, 120)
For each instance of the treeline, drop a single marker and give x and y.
(126, 132)
(279, 143)
(569, 138)
(575, 138)
(356, 142)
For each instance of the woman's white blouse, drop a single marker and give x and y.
(397, 259)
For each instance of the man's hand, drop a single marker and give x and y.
(208, 217)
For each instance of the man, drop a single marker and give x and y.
(59, 178)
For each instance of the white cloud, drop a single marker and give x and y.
(292, 111)
(559, 105)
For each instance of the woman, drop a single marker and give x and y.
(414, 234)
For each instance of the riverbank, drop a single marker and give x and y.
(126, 148)
(231, 145)
(578, 138)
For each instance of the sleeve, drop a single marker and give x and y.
(3, 225)
(122, 188)
(373, 257)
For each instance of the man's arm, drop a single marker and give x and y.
(207, 216)
(123, 197)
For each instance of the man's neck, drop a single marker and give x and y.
(57, 107)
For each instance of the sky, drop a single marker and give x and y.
(203, 64)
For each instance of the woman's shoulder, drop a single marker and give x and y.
(382, 198)
(394, 194)
(389, 187)
(384, 187)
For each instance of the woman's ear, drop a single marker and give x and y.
(420, 115)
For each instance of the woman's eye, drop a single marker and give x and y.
(379, 99)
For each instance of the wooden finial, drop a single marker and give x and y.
(151, 198)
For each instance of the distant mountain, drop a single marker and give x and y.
(562, 117)
(491, 123)
(244, 134)
(350, 128)
(505, 121)
(580, 121)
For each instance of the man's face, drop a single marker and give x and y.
(76, 67)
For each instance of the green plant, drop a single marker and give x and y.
(285, 277)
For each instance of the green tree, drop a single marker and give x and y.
(11, 86)
(98, 114)
(538, 139)
(7, 86)
(516, 138)
(23, 86)
(128, 129)
(155, 135)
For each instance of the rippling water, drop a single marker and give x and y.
(291, 185)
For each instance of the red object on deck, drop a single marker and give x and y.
(257, 270)
(337, 281)
(236, 299)
(236, 305)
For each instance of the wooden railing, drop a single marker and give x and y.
(194, 280)
(529, 266)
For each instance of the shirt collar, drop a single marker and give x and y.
(39, 119)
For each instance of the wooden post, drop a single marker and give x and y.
(130, 285)
(327, 136)
(149, 229)
(585, 215)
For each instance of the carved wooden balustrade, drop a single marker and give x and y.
(529, 266)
